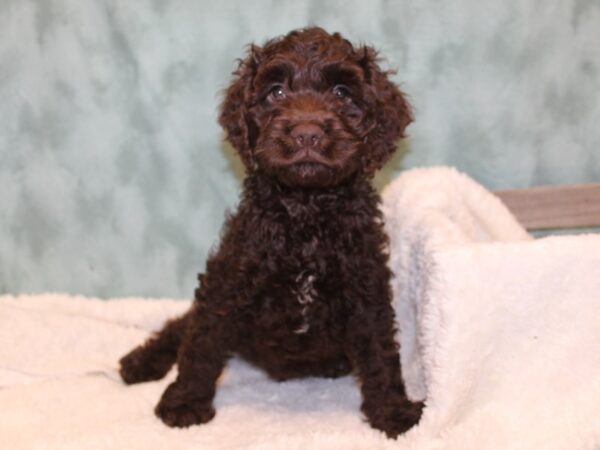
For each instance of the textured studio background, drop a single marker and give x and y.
(113, 177)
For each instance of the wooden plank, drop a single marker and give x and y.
(545, 207)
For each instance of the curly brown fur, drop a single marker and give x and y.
(299, 284)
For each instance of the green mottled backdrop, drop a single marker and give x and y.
(113, 177)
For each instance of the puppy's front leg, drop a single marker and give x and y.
(374, 354)
(202, 356)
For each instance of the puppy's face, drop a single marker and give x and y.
(311, 110)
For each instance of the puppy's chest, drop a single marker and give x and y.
(305, 295)
(301, 295)
(304, 274)
(298, 304)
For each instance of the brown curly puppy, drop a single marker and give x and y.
(299, 284)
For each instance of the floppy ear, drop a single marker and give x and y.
(390, 113)
(234, 117)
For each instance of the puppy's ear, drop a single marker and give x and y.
(235, 117)
(390, 113)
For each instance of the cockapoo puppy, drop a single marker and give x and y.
(299, 284)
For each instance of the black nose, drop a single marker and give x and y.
(307, 134)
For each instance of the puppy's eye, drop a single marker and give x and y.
(277, 91)
(341, 91)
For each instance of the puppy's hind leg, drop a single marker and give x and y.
(153, 359)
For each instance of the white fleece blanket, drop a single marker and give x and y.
(500, 334)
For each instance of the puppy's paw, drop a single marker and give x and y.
(395, 416)
(178, 409)
(141, 364)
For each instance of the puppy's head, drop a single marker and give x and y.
(311, 110)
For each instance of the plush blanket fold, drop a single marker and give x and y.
(500, 334)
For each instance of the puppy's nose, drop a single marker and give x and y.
(307, 134)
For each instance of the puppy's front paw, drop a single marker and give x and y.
(178, 409)
(394, 416)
